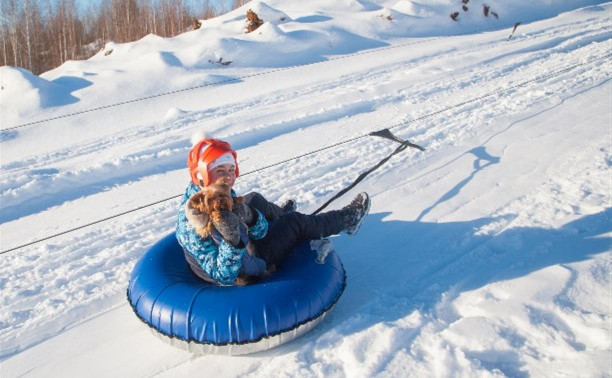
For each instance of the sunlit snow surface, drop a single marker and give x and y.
(486, 255)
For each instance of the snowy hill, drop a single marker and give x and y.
(486, 255)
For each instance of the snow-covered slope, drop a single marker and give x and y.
(486, 255)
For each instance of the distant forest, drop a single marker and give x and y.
(40, 35)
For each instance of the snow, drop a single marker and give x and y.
(486, 255)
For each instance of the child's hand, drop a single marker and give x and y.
(245, 213)
(231, 228)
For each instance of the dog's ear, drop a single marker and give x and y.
(211, 201)
(197, 202)
(199, 197)
(194, 212)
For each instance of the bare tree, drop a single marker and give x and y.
(4, 29)
(28, 35)
(42, 34)
(11, 7)
(238, 3)
(3, 35)
(208, 11)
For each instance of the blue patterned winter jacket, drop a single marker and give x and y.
(221, 262)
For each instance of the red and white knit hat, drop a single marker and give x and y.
(208, 153)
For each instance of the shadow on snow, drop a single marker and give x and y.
(397, 267)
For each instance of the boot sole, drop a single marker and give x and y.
(363, 217)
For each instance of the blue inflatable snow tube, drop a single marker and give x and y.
(201, 317)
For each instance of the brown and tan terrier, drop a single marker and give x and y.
(211, 200)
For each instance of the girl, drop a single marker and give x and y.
(273, 230)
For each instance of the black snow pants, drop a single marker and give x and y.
(286, 229)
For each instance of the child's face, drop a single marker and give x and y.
(224, 170)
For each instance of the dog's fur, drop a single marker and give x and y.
(211, 200)
(243, 279)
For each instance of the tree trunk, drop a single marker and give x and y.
(28, 16)
(4, 52)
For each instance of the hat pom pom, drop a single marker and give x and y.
(197, 137)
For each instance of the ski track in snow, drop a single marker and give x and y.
(52, 287)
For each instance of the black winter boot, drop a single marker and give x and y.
(289, 206)
(355, 212)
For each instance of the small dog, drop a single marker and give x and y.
(211, 200)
